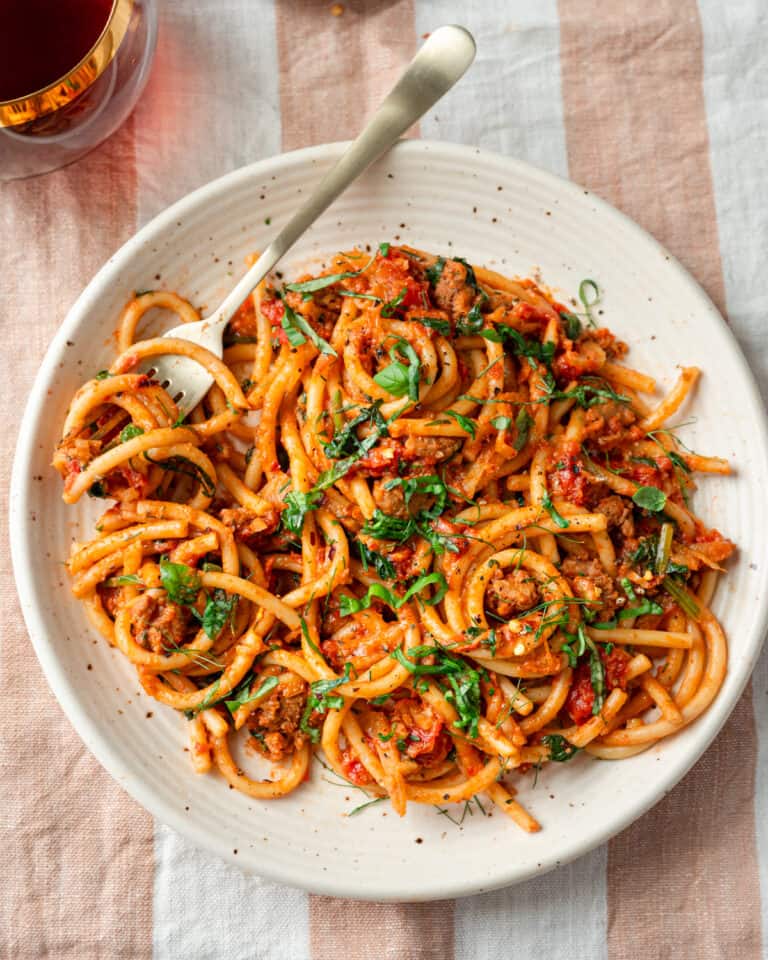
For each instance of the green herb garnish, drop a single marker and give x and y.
(649, 498)
(684, 600)
(298, 330)
(572, 325)
(466, 423)
(298, 505)
(587, 287)
(129, 432)
(349, 605)
(319, 283)
(242, 694)
(391, 306)
(434, 272)
(372, 558)
(523, 423)
(559, 520)
(560, 749)
(463, 690)
(443, 327)
(399, 378)
(502, 423)
(180, 582)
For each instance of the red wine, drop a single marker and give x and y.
(42, 40)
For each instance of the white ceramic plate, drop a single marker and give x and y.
(452, 200)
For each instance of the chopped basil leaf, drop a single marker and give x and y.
(572, 325)
(342, 467)
(523, 423)
(467, 425)
(296, 326)
(129, 432)
(443, 327)
(319, 283)
(471, 278)
(242, 694)
(359, 296)
(383, 526)
(372, 558)
(298, 505)
(560, 749)
(502, 423)
(678, 461)
(345, 441)
(349, 605)
(218, 609)
(320, 701)
(390, 307)
(649, 498)
(686, 603)
(126, 579)
(646, 606)
(464, 682)
(434, 272)
(521, 346)
(179, 581)
(560, 520)
(399, 378)
(471, 324)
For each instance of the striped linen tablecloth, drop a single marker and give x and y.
(660, 107)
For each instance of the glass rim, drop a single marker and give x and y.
(76, 81)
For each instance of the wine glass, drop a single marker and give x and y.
(70, 73)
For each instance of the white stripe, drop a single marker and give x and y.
(207, 910)
(212, 104)
(736, 96)
(559, 916)
(511, 101)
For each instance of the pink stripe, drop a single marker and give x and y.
(334, 70)
(682, 881)
(380, 931)
(77, 850)
(636, 125)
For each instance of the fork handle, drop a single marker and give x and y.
(442, 60)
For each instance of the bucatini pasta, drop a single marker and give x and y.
(425, 522)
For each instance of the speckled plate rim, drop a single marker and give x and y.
(95, 738)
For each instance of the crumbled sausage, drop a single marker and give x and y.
(430, 450)
(422, 731)
(390, 500)
(591, 583)
(511, 593)
(452, 293)
(275, 722)
(159, 625)
(618, 513)
(610, 425)
(249, 528)
(344, 641)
